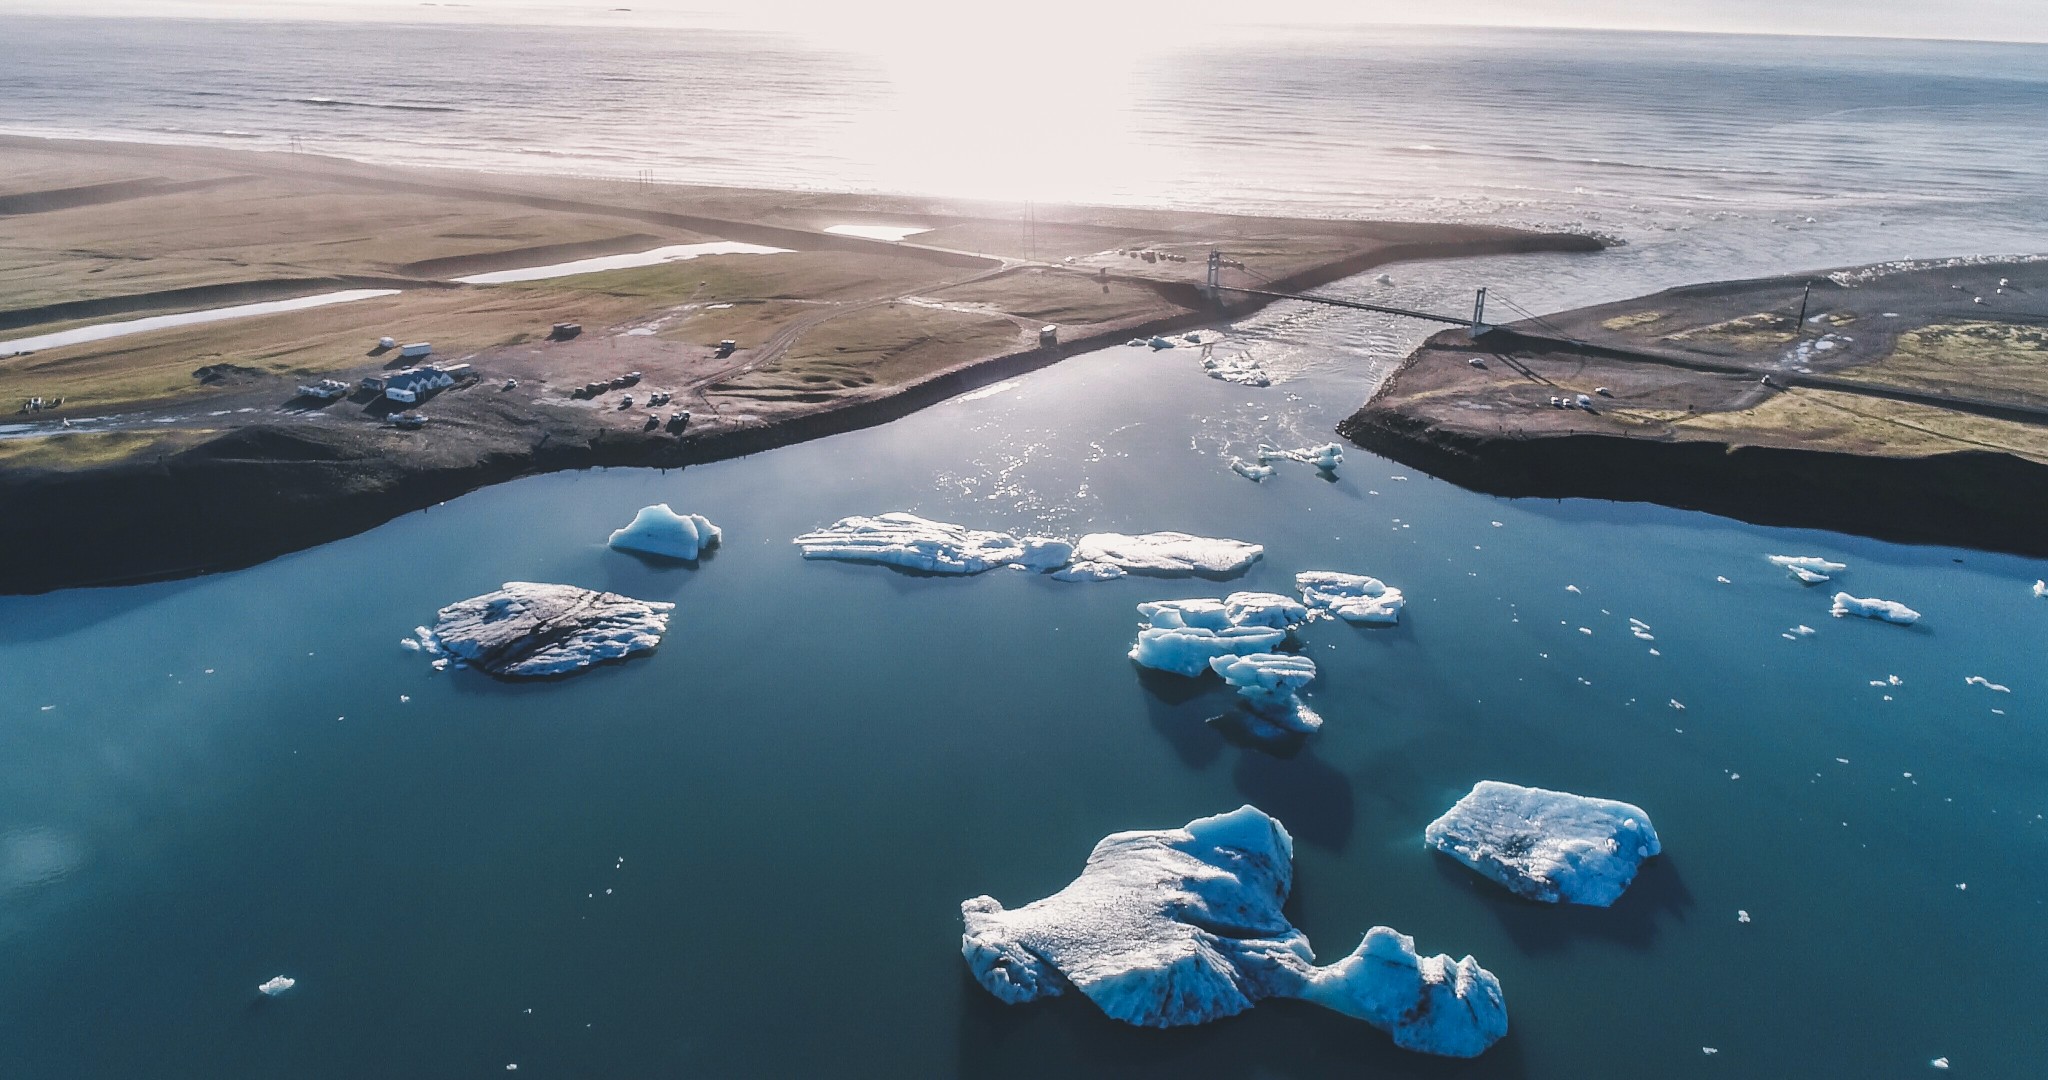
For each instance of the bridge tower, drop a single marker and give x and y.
(1479, 313)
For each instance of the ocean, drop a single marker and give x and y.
(744, 855)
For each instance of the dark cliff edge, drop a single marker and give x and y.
(1975, 499)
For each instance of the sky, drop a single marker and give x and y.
(1987, 20)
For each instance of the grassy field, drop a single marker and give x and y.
(1852, 423)
(1984, 359)
(884, 345)
(82, 450)
(1053, 297)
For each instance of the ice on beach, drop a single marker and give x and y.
(1171, 927)
(913, 543)
(1979, 680)
(529, 630)
(658, 530)
(1551, 846)
(277, 985)
(1325, 457)
(1354, 598)
(1250, 471)
(1809, 569)
(1167, 553)
(1870, 608)
(1270, 684)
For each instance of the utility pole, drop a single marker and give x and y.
(1803, 298)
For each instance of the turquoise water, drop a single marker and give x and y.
(207, 783)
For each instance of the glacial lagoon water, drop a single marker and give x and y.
(744, 855)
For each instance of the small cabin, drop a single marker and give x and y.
(726, 347)
(409, 385)
(416, 350)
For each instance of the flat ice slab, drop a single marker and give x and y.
(1551, 846)
(670, 253)
(1809, 569)
(1351, 597)
(658, 530)
(276, 985)
(913, 543)
(1325, 457)
(1167, 553)
(1184, 636)
(529, 631)
(1870, 608)
(1270, 684)
(1171, 927)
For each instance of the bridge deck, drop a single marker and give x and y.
(1360, 305)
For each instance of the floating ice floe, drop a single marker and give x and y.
(1979, 680)
(1240, 369)
(1088, 571)
(1889, 610)
(1810, 569)
(1551, 846)
(277, 985)
(1184, 636)
(1270, 684)
(1325, 457)
(1167, 553)
(529, 630)
(1250, 471)
(1171, 927)
(913, 543)
(1351, 597)
(658, 530)
(2040, 589)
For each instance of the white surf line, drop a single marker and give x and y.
(103, 331)
(672, 253)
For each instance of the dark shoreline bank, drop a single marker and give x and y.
(1969, 499)
(260, 492)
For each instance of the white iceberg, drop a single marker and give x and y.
(1250, 471)
(277, 985)
(529, 630)
(913, 543)
(1044, 553)
(2040, 589)
(658, 530)
(1351, 597)
(1167, 553)
(1546, 845)
(1270, 684)
(1870, 608)
(1240, 369)
(1325, 457)
(1810, 569)
(1171, 927)
(1187, 650)
(1088, 571)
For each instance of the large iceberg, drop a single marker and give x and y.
(1809, 569)
(1167, 553)
(1183, 926)
(913, 543)
(658, 530)
(1351, 597)
(1546, 845)
(1183, 636)
(1889, 610)
(528, 630)
(1270, 684)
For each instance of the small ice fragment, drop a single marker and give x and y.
(1571, 588)
(1250, 471)
(2040, 589)
(1585, 630)
(658, 530)
(1709, 1050)
(1979, 680)
(409, 644)
(1676, 704)
(1723, 580)
(403, 698)
(1939, 1063)
(276, 985)
(1961, 885)
(1803, 630)
(1741, 916)
(47, 708)
(1498, 525)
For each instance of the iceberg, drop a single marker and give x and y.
(527, 630)
(1171, 927)
(277, 985)
(1088, 571)
(1250, 471)
(1044, 553)
(1167, 553)
(1270, 685)
(913, 543)
(658, 530)
(2040, 588)
(1240, 369)
(1351, 597)
(1551, 846)
(1809, 569)
(1186, 636)
(1325, 457)
(1889, 610)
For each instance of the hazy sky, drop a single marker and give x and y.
(1994, 20)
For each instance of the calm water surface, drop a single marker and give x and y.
(744, 855)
